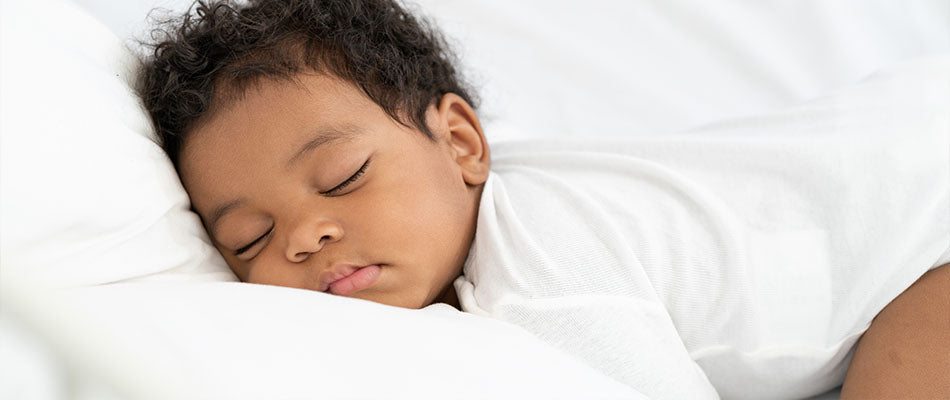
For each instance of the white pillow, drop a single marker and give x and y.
(88, 199)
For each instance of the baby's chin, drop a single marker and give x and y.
(410, 299)
(392, 299)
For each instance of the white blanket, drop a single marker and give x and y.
(744, 258)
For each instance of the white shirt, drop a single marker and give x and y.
(742, 259)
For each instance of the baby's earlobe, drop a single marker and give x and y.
(476, 175)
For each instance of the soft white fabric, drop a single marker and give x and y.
(757, 249)
(88, 199)
(225, 340)
(567, 68)
(945, 258)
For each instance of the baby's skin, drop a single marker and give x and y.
(307, 183)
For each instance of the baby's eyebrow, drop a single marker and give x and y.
(322, 136)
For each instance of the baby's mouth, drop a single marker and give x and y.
(345, 280)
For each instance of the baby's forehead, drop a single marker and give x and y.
(302, 88)
(307, 103)
(233, 151)
(277, 121)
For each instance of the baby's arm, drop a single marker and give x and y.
(906, 351)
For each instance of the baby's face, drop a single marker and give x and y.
(310, 184)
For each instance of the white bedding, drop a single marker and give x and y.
(86, 199)
(226, 340)
(556, 68)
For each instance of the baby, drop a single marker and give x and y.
(332, 146)
(326, 145)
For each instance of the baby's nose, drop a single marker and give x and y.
(310, 238)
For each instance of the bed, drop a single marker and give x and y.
(109, 287)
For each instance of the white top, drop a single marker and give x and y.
(744, 258)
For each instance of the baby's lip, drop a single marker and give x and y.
(336, 273)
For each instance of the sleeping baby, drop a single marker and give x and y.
(332, 145)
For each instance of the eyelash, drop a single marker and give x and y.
(353, 178)
(248, 247)
(356, 176)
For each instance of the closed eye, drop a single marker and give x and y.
(256, 241)
(353, 178)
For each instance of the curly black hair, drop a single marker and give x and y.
(401, 62)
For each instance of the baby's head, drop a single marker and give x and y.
(321, 137)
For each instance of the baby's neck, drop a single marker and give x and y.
(448, 296)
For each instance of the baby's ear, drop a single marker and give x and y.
(465, 138)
